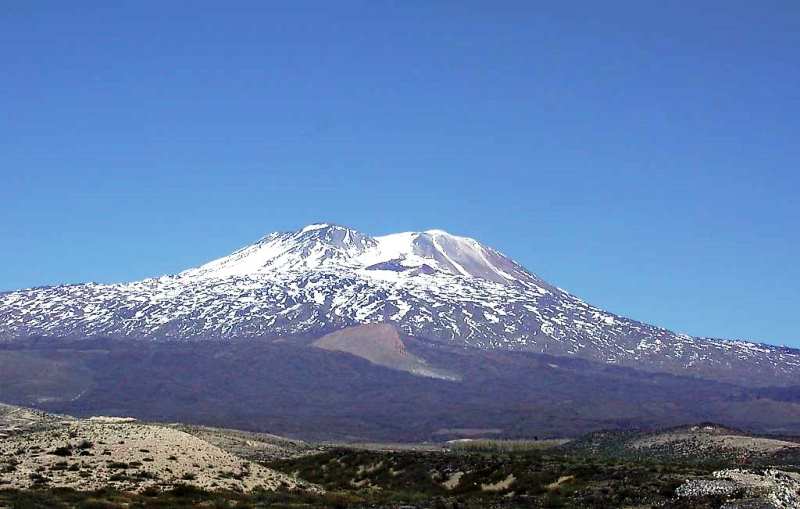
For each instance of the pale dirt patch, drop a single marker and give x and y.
(381, 344)
(368, 469)
(561, 480)
(364, 483)
(453, 481)
(104, 419)
(499, 485)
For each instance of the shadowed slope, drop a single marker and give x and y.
(296, 390)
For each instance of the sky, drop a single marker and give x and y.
(644, 156)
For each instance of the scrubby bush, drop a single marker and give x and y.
(84, 444)
(65, 450)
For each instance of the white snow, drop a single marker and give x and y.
(397, 246)
(435, 239)
(314, 227)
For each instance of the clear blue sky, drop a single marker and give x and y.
(643, 155)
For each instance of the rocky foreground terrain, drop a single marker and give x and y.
(768, 489)
(55, 461)
(89, 454)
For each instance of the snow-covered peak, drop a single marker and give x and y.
(333, 247)
(315, 227)
(312, 247)
(437, 250)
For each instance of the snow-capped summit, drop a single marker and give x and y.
(441, 251)
(313, 247)
(429, 284)
(323, 246)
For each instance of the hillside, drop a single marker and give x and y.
(122, 454)
(707, 443)
(295, 389)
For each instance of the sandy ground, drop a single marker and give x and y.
(453, 481)
(499, 485)
(130, 456)
(777, 488)
(15, 419)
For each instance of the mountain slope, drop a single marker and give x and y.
(291, 389)
(380, 344)
(429, 284)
